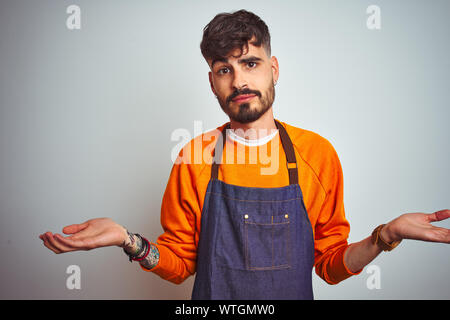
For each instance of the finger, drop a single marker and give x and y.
(438, 234)
(74, 228)
(48, 245)
(75, 244)
(59, 246)
(439, 215)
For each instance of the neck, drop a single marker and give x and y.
(257, 129)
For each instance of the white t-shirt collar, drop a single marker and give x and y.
(251, 142)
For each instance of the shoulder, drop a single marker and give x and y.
(315, 150)
(308, 142)
(196, 153)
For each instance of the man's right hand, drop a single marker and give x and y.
(94, 233)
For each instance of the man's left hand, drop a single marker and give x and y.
(417, 226)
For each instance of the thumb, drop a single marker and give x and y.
(439, 215)
(74, 228)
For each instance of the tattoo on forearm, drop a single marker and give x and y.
(131, 237)
(134, 244)
(128, 242)
(152, 258)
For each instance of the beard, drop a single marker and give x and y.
(245, 113)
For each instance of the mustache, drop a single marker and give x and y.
(244, 91)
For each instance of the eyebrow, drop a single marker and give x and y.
(243, 60)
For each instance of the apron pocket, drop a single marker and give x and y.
(267, 242)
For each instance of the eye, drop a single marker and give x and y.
(223, 71)
(251, 64)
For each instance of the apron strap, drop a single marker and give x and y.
(285, 142)
(290, 153)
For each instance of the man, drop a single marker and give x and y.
(249, 234)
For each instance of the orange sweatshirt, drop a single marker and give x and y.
(320, 178)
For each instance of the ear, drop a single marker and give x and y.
(211, 83)
(275, 69)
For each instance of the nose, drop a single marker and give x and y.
(239, 82)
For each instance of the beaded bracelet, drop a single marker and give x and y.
(147, 250)
(145, 247)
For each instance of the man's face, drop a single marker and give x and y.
(244, 85)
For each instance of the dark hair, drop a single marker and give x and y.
(229, 31)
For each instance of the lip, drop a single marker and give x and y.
(243, 97)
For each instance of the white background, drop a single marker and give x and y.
(86, 118)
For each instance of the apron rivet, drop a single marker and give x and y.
(246, 216)
(286, 216)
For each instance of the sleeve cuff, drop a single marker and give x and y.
(344, 266)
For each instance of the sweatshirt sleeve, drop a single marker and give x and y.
(179, 208)
(332, 228)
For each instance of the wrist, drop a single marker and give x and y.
(140, 248)
(135, 246)
(129, 243)
(388, 234)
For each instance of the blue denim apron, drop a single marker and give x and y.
(255, 243)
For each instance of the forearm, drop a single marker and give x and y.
(134, 244)
(360, 254)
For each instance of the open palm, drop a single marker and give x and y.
(418, 226)
(94, 233)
